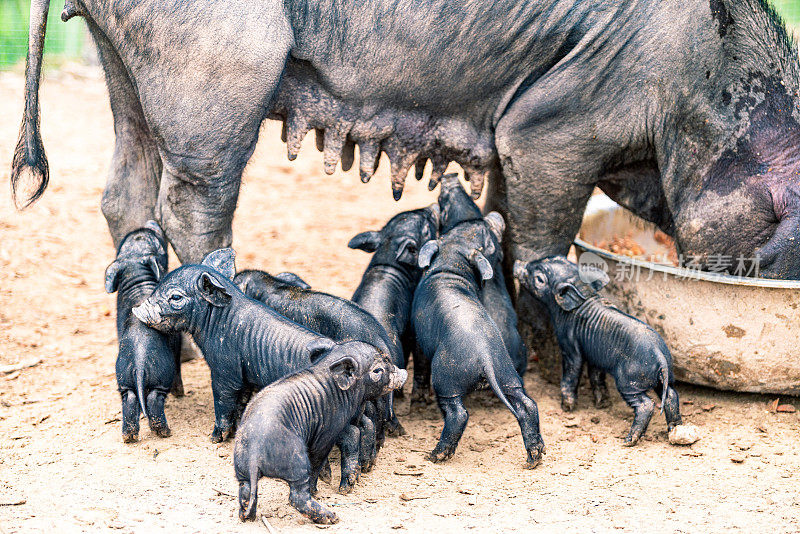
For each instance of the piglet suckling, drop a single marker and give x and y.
(148, 362)
(289, 428)
(387, 285)
(247, 344)
(590, 329)
(460, 339)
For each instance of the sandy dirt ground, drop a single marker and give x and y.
(63, 465)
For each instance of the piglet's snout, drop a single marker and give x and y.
(146, 313)
(398, 378)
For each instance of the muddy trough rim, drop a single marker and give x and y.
(606, 205)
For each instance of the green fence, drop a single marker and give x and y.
(61, 41)
(68, 40)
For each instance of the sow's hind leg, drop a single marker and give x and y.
(131, 190)
(204, 100)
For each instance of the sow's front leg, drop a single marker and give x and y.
(551, 159)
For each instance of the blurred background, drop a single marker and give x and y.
(69, 42)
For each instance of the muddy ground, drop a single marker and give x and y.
(62, 463)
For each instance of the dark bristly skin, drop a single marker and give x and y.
(247, 344)
(459, 338)
(333, 317)
(387, 285)
(289, 428)
(591, 330)
(456, 207)
(148, 363)
(681, 111)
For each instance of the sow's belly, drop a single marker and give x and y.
(407, 137)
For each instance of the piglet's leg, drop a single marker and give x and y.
(367, 454)
(643, 408)
(528, 418)
(672, 407)
(325, 474)
(375, 410)
(301, 499)
(130, 417)
(455, 421)
(421, 390)
(155, 409)
(349, 444)
(177, 383)
(571, 367)
(225, 404)
(597, 379)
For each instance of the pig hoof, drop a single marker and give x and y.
(130, 438)
(324, 517)
(346, 486)
(395, 429)
(437, 456)
(177, 390)
(162, 432)
(630, 441)
(602, 403)
(325, 474)
(534, 456)
(218, 436)
(568, 405)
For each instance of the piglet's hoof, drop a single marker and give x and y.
(162, 432)
(395, 429)
(325, 474)
(630, 441)
(324, 517)
(218, 436)
(130, 438)
(437, 456)
(602, 403)
(346, 486)
(534, 457)
(568, 405)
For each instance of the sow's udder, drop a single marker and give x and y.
(408, 138)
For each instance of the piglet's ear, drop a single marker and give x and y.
(155, 228)
(568, 297)
(318, 347)
(213, 290)
(520, 269)
(427, 252)
(407, 252)
(496, 224)
(483, 267)
(366, 241)
(292, 279)
(112, 276)
(345, 371)
(222, 260)
(596, 278)
(153, 265)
